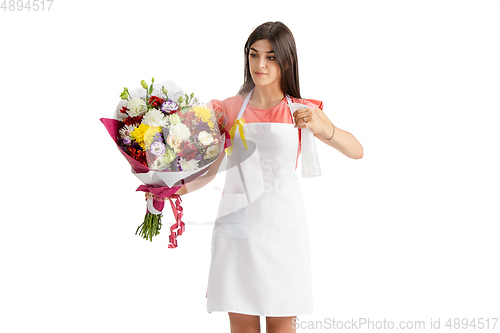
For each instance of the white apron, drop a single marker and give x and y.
(260, 257)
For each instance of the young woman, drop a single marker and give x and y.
(260, 264)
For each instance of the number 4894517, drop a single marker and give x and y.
(29, 5)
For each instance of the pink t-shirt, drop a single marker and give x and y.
(277, 114)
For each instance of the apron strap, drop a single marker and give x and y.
(238, 122)
(244, 105)
(289, 101)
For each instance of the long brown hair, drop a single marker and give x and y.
(285, 51)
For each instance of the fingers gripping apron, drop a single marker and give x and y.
(260, 258)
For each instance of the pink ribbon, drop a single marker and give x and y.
(163, 192)
(179, 227)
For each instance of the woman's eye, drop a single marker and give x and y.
(271, 58)
(253, 55)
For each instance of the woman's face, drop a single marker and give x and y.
(264, 67)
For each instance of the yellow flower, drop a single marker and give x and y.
(144, 134)
(149, 135)
(138, 134)
(204, 114)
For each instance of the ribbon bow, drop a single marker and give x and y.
(179, 227)
(237, 123)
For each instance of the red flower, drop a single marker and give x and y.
(188, 118)
(133, 120)
(150, 157)
(187, 150)
(124, 109)
(156, 102)
(138, 155)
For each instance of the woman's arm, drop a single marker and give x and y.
(322, 127)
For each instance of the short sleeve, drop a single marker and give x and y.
(312, 103)
(216, 106)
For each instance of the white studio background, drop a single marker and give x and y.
(408, 232)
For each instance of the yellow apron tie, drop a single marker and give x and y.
(238, 122)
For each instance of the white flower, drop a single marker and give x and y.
(173, 140)
(159, 164)
(174, 119)
(211, 152)
(205, 138)
(154, 117)
(188, 165)
(136, 107)
(168, 156)
(157, 148)
(181, 131)
(126, 130)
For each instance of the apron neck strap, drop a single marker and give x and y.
(244, 106)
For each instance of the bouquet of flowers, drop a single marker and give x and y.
(170, 139)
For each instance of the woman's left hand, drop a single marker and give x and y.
(309, 118)
(150, 195)
(323, 129)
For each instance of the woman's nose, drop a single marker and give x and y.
(262, 62)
